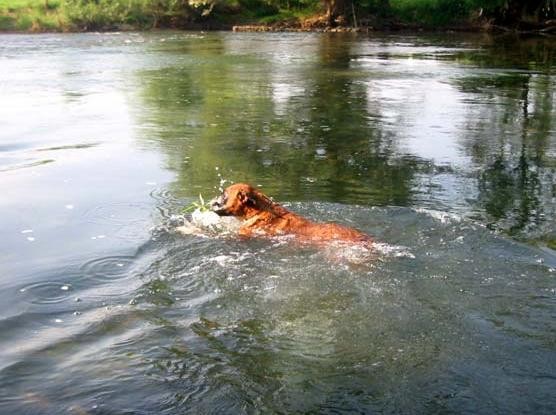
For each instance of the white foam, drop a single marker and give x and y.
(224, 260)
(442, 217)
(203, 222)
(393, 250)
(206, 219)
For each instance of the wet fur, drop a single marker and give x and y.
(262, 216)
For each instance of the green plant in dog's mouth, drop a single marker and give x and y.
(200, 205)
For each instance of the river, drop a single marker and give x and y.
(442, 147)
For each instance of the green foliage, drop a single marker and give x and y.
(37, 15)
(12, 6)
(24, 23)
(48, 22)
(284, 15)
(376, 7)
(444, 12)
(432, 12)
(201, 205)
(7, 23)
(30, 15)
(486, 5)
(99, 14)
(258, 8)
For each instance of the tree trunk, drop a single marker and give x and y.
(527, 12)
(334, 9)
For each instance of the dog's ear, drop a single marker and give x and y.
(251, 201)
(248, 199)
(243, 197)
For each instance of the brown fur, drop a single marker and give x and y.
(262, 216)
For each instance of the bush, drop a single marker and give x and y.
(432, 12)
(7, 23)
(258, 8)
(24, 23)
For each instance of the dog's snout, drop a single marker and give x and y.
(217, 204)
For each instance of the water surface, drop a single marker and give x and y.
(441, 147)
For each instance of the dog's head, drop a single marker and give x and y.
(239, 199)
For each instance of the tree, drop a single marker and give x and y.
(344, 8)
(526, 12)
(334, 9)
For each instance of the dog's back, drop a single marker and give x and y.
(263, 216)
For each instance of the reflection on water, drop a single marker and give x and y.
(453, 125)
(442, 148)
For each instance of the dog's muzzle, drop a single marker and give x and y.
(217, 205)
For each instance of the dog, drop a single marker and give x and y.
(262, 216)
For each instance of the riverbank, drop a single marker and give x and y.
(257, 15)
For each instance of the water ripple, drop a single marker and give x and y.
(108, 268)
(122, 220)
(166, 202)
(47, 292)
(25, 165)
(115, 214)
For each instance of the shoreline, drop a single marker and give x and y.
(549, 31)
(314, 24)
(60, 16)
(269, 29)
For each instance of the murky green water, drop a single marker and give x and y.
(441, 147)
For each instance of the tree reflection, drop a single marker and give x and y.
(302, 131)
(302, 119)
(516, 184)
(361, 156)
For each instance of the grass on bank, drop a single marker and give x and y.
(30, 15)
(75, 15)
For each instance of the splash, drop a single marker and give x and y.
(442, 217)
(359, 254)
(204, 223)
(221, 181)
(393, 251)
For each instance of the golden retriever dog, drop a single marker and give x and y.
(262, 216)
